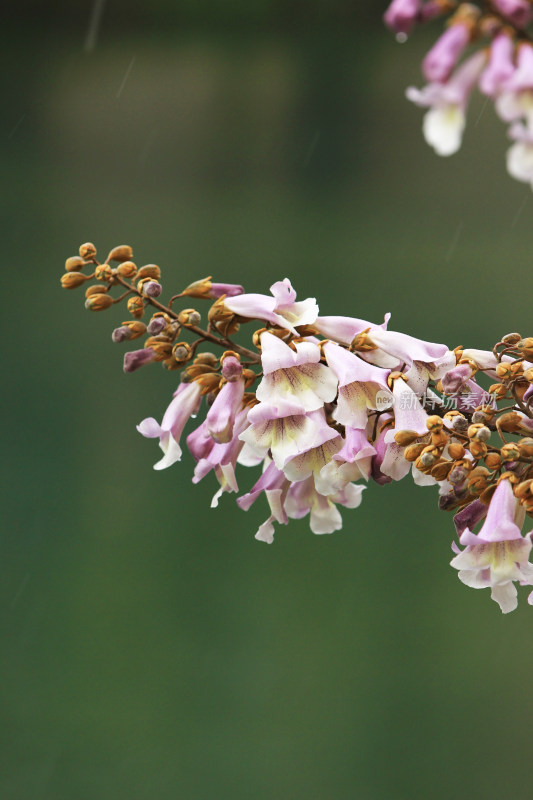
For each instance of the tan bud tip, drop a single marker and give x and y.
(441, 471)
(523, 489)
(98, 302)
(439, 438)
(127, 269)
(149, 271)
(526, 447)
(493, 460)
(96, 288)
(182, 352)
(510, 452)
(199, 289)
(456, 451)
(87, 250)
(121, 253)
(71, 280)
(478, 449)
(504, 371)
(509, 422)
(103, 272)
(511, 338)
(136, 328)
(209, 359)
(486, 494)
(189, 316)
(405, 438)
(136, 307)
(74, 264)
(412, 452)
(434, 423)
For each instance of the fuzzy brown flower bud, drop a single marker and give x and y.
(96, 288)
(412, 452)
(493, 460)
(87, 250)
(209, 359)
(404, 438)
(479, 431)
(103, 272)
(439, 438)
(136, 307)
(136, 328)
(224, 320)
(526, 347)
(72, 280)
(509, 422)
(149, 271)
(182, 352)
(478, 448)
(524, 489)
(498, 390)
(434, 423)
(121, 253)
(161, 347)
(503, 371)
(429, 456)
(456, 451)
(526, 447)
(440, 471)
(98, 302)
(127, 269)
(74, 264)
(188, 317)
(510, 452)
(478, 480)
(511, 338)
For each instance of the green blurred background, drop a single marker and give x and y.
(151, 648)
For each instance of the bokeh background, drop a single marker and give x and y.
(151, 648)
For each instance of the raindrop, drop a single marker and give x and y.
(401, 37)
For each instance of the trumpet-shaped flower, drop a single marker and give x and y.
(280, 309)
(312, 460)
(501, 66)
(392, 349)
(185, 404)
(353, 462)
(515, 100)
(401, 15)
(445, 53)
(228, 402)
(221, 457)
(345, 329)
(303, 499)
(445, 121)
(408, 416)
(359, 383)
(294, 375)
(285, 431)
(499, 554)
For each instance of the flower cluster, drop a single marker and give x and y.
(320, 405)
(501, 68)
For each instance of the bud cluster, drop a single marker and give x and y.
(501, 67)
(336, 404)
